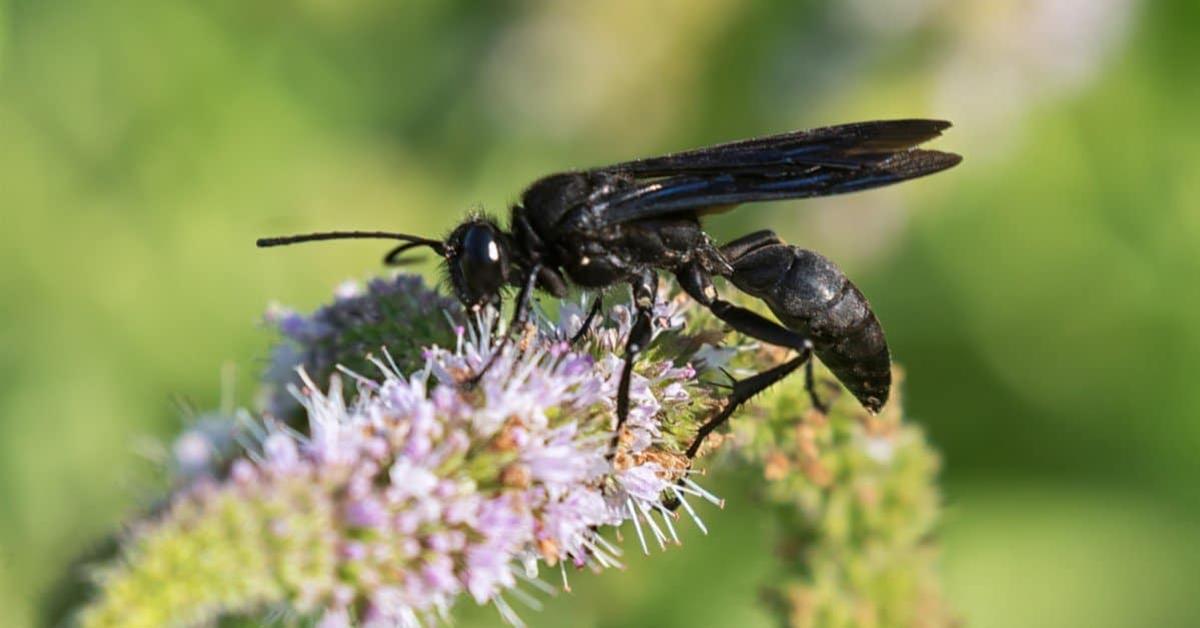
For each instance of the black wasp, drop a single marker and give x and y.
(627, 222)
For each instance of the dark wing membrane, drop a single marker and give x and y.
(709, 193)
(848, 145)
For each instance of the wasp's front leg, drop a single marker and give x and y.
(516, 325)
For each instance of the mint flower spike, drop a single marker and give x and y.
(859, 510)
(398, 312)
(384, 510)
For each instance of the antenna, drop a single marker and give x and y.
(412, 240)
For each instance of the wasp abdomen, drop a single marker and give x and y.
(812, 296)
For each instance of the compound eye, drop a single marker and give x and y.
(484, 263)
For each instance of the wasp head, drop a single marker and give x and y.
(478, 262)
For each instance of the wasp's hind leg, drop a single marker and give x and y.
(640, 334)
(699, 286)
(810, 386)
(744, 390)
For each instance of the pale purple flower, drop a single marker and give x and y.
(427, 490)
(543, 481)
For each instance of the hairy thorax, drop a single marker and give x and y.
(617, 253)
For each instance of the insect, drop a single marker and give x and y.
(628, 222)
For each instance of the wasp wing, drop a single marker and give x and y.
(706, 194)
(848, 146)
(821, 162)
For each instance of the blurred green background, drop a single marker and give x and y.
(1043, 296)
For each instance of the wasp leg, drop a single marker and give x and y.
(699, 286)
(755, 326)
(519, 318)
(587, 321)
(640, 335)
(743, 391)
(810, 386)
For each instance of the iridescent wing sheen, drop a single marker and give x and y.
(802, 164)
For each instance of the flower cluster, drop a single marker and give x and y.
(383, 503)
(859, 506)
(398, 312)
(385, 509)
